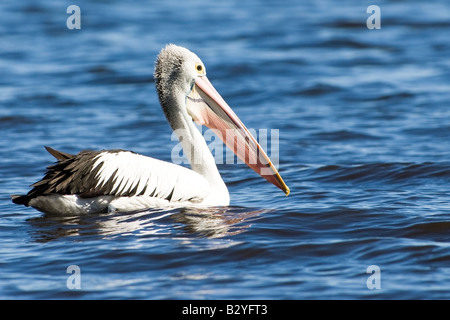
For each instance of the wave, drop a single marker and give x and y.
(342, 135)
(435, 230)
(390, 172)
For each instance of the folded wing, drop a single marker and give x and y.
(117, 173)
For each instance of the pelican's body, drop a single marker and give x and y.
(119, 180)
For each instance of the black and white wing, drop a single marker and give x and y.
(117, 173)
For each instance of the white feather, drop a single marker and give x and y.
(160, 178)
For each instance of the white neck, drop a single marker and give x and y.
(197, 152)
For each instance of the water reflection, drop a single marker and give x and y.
(214, 222)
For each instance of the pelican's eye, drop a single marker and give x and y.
(199, 68)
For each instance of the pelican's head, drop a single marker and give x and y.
(181, 75)
(176, 70)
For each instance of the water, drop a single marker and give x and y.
(363, 117)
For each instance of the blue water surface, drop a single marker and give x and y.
(364, 144)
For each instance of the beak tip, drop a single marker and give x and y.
(287, 191)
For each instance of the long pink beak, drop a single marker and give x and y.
(207, 107)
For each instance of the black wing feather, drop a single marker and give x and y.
(72, 174)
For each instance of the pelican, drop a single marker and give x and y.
(119, 180)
